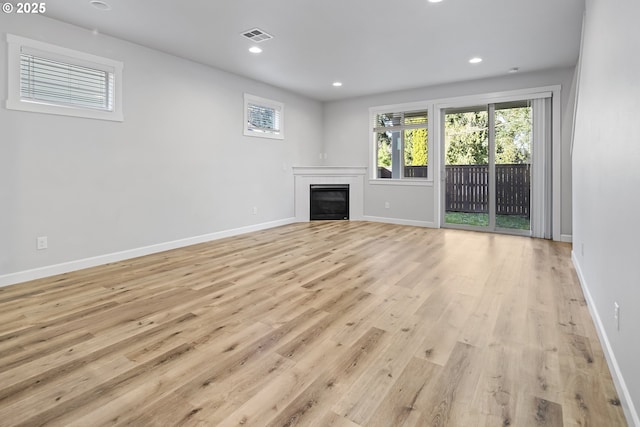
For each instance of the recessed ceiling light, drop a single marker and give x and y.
(435, 1)
(337, 84)
(514, 70)
(475, 60)
(100, 5)
(255, 49)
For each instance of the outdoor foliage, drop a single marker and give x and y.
(415, 147)
(407, 128)
(513, 136)
(467, 137)
(384, 149)
(482, 220)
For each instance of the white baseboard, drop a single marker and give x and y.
(568, 238)
(399, 221)
(621, 387)
(51, 270)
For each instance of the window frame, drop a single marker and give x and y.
(373, 152)
(18, 45)
(266, 103)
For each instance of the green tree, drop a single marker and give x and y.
(415, 147)
(467, 137)
(513, 135)
(384, 149)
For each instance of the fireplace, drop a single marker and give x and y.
(305, 176)
(329, 201)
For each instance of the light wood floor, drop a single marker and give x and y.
(325, 324)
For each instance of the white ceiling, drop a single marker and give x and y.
(371, 46)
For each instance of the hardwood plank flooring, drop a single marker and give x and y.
(333, 323)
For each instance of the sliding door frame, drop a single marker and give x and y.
(552, 92)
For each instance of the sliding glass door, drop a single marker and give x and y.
(512, 147)
(466, 135)
(487, 167)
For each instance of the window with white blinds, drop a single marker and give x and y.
(55, 82)
(51, 79)
(263, 117)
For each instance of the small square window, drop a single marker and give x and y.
(263, 117)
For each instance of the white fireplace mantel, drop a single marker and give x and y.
(305, 176)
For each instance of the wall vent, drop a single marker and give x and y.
(257, 35)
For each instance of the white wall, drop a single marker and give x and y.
(606, 184)
(177, 167)
(347, 139)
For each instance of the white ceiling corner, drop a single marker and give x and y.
(371, 46)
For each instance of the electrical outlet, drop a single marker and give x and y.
(254, 211)
(42, 243)
(387, 205)
(616, 314)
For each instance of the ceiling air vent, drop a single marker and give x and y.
(257, 35)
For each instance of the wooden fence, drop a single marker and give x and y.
(467, 189)
(415, 171)
(409, 172)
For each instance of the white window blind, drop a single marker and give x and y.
(50, 79)
(55, 82)
(263, 117)
(400, 120)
